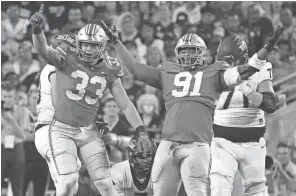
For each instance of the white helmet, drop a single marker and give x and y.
(191, 60)
(94, 34)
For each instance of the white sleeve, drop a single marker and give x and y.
(266, 72)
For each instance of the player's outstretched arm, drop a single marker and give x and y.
(50, 55)
(147, 74)
(131, 115)
(234, 76)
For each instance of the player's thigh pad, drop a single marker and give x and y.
(95, 157)
(63, 149)
(195, 167)
(224, 164)
(252, 167)
(165, 173)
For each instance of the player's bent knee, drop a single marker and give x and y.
(67, 184)
(221, 185)
(255, 189)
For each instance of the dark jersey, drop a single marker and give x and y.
(80, 87)
(190, 99)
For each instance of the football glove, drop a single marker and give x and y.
(102, 127)
(274, 40)
(37, 21)
(143, 142)
(112, 34)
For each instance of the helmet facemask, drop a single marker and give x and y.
(91, 51)
(190, 57)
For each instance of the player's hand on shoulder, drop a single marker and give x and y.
(111, 33)
(37, 20)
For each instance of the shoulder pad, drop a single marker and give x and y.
(170, 67)
(68, 39)
(267, 66)
(114, 66)
(116, 173)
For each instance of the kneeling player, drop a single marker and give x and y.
(239, 126)
(132, 177)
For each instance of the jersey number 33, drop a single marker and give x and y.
(183, 81)
(81, 87)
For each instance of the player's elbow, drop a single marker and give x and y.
(268, 104)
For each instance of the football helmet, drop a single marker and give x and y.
(187, 60)
(140, 166)
(91, 34)
(233, 50)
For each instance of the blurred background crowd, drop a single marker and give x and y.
(150, 31)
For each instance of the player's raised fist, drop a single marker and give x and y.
(37, 20)
(112, 34)
(274, 40)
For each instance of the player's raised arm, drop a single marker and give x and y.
(50, 55)
(235, 75)
(131, 114)
(147, 74)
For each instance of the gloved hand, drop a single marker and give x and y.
(143, 142)
(112, 34)
(102, 127)
(37, 21)
(274, 40)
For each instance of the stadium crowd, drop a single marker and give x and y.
(149, 30)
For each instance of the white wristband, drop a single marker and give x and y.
(255, 62)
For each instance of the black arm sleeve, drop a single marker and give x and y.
(268, 104)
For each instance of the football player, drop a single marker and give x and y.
(191, 89)
(82, 75)
(132, 177)
(239, 127)
(45, 108)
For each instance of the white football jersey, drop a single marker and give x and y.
(236, 110)
(45, 109)
(122, 177)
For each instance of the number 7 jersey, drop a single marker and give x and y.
(80, 87)
(190, 100)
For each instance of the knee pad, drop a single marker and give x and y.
(255, 189)
(221, 185)
(105, 186)
(68, 183)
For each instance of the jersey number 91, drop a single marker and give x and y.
(184, 80)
